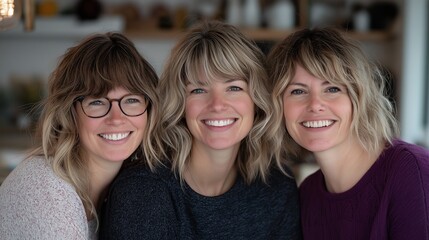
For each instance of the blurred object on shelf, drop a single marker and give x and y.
(69, 27)
(128, 11)
(161, 14)
(233, 12)
(207, 8)
(29, 13)
(382, 14)
(281, 15)
(27, 92)
(88, 9)
(323, 14)
(361, 18)
(181, 16)
(47, 8)
(11, 11)
(251, 14)
(5, 106)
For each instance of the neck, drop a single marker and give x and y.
(100, 176)
(211, 173)
(343, 168)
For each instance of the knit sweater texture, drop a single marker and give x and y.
(391, 201)
(146, 205)
(35, 203)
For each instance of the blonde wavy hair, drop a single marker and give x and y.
(95, 66)
(217, 50)
(327, 54)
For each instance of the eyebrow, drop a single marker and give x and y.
(234, 80)
(305, 85)
(204, 83)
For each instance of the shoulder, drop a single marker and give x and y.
(139, 180)
(280, 183)
(35, 176)
(312, 181)
(402, 155)
(139, 204)
(139, 172)
(278, 177)
(49, 202)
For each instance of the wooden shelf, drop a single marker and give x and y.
(143, 30)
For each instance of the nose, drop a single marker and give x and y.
(115, 114)
(217, 101)
(315, 103)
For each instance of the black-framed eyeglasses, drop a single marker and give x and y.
(131, 105)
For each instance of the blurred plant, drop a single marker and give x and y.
(27, 92)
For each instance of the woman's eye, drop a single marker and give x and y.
(198, 91)
(297, 92)
(132, 100)
(96, 102)
(333, 89)
(235, 89)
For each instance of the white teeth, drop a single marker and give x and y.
(115, 136)
(318, 124)
(219, 123)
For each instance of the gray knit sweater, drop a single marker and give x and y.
(37, 204)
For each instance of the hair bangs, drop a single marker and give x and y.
(210, 60)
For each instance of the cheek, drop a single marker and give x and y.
(346, 108)
(245, 106)
(140, 122)
(288, 109)
(192, 108)
(85, 124)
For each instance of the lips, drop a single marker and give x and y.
(219, 123)
(114, 136)
(318, 124)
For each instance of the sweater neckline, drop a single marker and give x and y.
(195, 196)
(356, 189)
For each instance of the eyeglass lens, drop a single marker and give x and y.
(130, 105)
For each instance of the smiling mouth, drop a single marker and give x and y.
(318, 124)
(115, 136)
(219, 123)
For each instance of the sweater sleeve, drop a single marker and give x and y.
(36, 204)
(409, 210)
(139, 206)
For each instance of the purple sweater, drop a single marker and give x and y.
(391, 201)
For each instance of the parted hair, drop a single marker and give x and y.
(216, 50)
(328, 54)
(96, 65)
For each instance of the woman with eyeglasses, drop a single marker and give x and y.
(98, 113)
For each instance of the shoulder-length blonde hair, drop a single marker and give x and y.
(95, 66)
(215, 49)
(327, 54)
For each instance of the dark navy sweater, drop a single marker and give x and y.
(146, 205)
